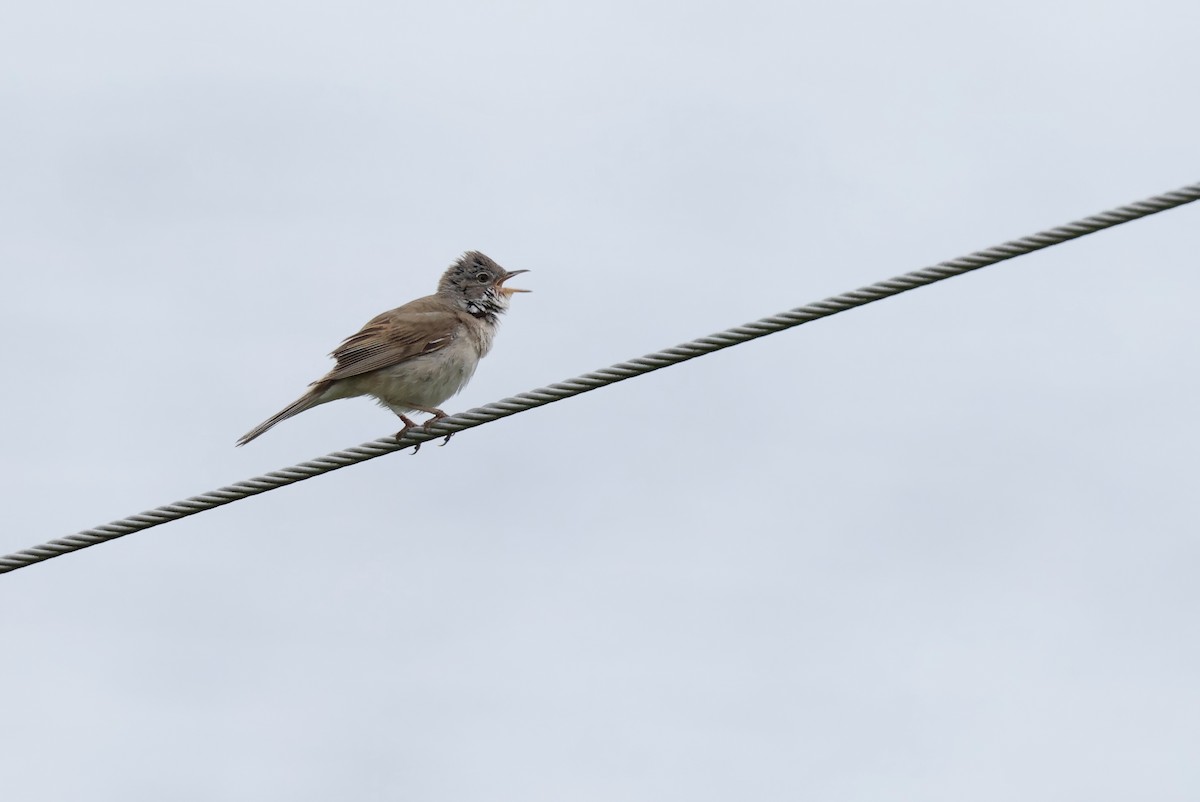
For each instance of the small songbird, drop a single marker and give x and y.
(414, 357)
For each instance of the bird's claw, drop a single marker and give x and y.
(435, 419)
(408, 424)
(400, 438)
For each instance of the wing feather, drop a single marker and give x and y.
(393, 337)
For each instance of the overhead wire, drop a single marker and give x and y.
(600, 378)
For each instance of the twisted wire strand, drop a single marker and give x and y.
(601, 378)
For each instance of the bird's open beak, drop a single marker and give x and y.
(506, 277)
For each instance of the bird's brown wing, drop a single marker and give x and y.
(420, 327)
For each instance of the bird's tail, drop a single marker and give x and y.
(307, 401)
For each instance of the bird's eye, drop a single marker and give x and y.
(483, 278)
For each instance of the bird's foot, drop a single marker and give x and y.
(437, 416)
(408, 424)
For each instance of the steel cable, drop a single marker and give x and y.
(601, 378)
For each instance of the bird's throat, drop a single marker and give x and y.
(487, 308)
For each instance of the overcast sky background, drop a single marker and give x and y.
(941, 548)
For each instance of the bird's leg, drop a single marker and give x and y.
(408, 424)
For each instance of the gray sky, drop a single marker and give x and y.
(940, 548)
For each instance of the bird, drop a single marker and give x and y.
(414, 357)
